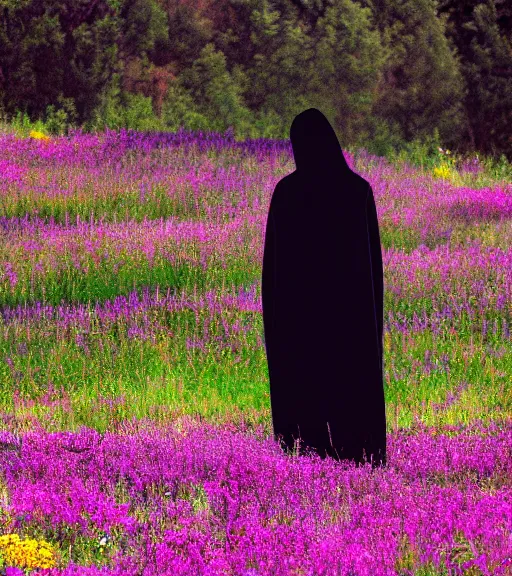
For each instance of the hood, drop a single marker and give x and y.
(315, 145)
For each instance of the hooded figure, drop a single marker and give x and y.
(322, 297)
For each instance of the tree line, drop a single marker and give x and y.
(385, 72)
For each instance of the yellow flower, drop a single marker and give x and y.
(38, 135)
(442, 171)
(27, 553)
(447, 171)
(387, 341)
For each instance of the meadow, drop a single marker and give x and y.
(135, 427)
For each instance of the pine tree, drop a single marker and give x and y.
(216, 93)
(422, 84)
(481, 30)
(347, 66)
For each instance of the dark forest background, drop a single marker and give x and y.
(385, 72)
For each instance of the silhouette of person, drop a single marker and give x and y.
(322, 298)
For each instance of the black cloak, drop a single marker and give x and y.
(322, 299)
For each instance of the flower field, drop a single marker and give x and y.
(135, 428)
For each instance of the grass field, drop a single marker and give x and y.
(135, 433)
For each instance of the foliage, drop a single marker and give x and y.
(215, 89)
(422, 86)
(387, 73)
(348, 64)
(481, 31)
(108, 113)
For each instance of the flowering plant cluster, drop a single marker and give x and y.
(27, 554)
(446, 169)
(130, 269)
(38, 135)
